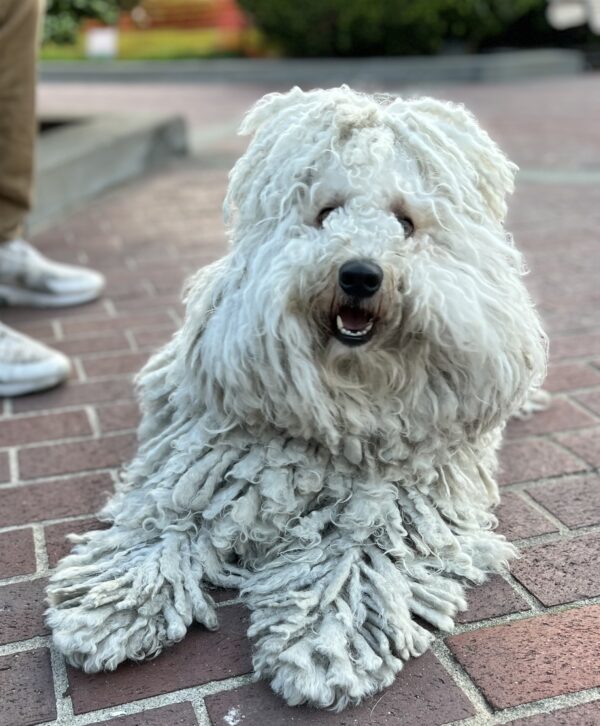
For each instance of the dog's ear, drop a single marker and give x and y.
(268, 107)
(268, 120)
(495, 173)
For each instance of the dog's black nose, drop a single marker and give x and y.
(360, 278)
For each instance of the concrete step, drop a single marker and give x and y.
(79, 159)
(508, 65)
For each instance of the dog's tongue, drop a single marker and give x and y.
(354, 318)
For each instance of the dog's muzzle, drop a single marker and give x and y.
(354, 320)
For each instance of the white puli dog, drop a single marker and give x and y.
(322, 431)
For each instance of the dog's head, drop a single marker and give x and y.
(371, 283)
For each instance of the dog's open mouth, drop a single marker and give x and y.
(353, 325)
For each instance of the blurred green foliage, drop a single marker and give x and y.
(64, 17)
(383, 27)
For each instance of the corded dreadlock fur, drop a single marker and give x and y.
(346, 490)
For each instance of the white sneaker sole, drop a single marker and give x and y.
(10, 295)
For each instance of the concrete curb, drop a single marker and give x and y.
(492, 67)
(83, 158)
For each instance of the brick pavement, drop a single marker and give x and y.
(527, 652)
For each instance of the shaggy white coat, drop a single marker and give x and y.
(347, 491)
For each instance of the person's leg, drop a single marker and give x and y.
(19, 22)
(26, 276)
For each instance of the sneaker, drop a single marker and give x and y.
(29, 278)
(27, 366)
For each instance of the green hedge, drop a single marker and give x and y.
(382, 27)
(64, 17)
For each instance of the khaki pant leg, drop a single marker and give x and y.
(19, 28)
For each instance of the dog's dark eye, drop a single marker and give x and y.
(407, 224)
(323, 214)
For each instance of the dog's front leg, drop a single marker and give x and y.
(126, 593)
(332, 624)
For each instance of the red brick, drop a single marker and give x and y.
(585, 444)
(76, 394)
(179, 714)
(586, 715)
(26, 688)
(95, 344)
(561, 415)
(590, 399)
(117, 364)
(38, 329)
(535, 658)
(4, 467)
(518, 520)
(118, 417)
(570, 376)
(22, 606)
(17, 553)
(201, 657)
(423, 694)
(152, 339)
(54, 499)
(168, 284)
(575, 501)
(535, 459)
(132, 321)
(490, 600)
(44, 461)
(162, 302)
(575, 346)
(129, 285)
(49, 427)
(561, 572)
(57, 544)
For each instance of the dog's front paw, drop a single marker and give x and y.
(97, 628)
(107, 606)
(333, 666)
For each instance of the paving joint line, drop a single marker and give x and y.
(191, 694)
(47, 522)
(20, 579)
(461, 678)
(79, 369)
(22, 646)
(13, 465)
(562, 528)
(518, 486)
(535, 605)
(132, 342)
(62, 696)
(584, 407)
(543, 435)
(509, 618)
(23, 415)
(80, 405)
(547, 705)
(41, 552)
(552, 537)
(94, 421)
(56, 329)
(65, 440)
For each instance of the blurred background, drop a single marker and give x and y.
(176, 76)
(171, 29)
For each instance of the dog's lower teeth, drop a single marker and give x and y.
(353, 333)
